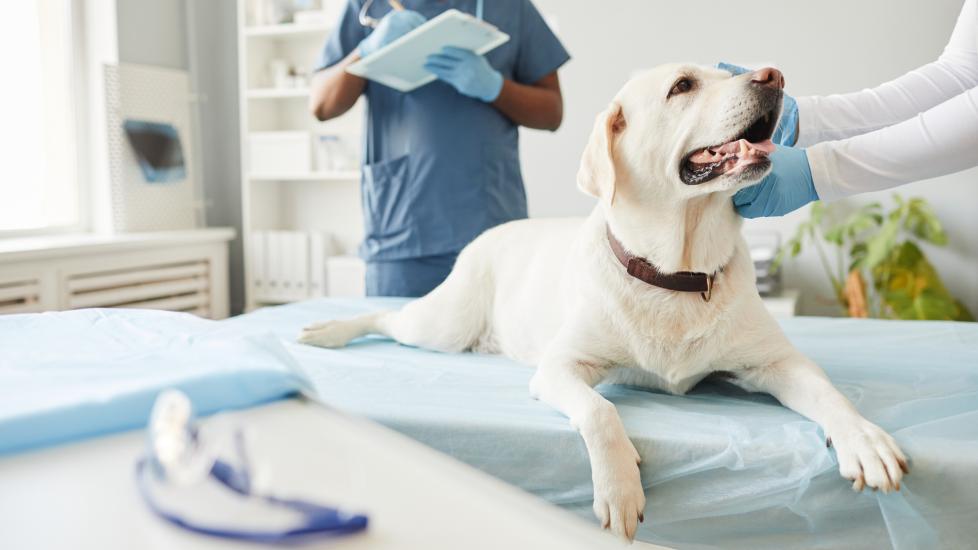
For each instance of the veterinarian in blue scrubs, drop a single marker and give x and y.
(441, 163)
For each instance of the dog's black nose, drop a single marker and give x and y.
(768, 77)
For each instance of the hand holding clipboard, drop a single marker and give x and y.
(400, 64)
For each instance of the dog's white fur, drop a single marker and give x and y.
(550, 292)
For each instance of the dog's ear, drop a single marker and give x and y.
(597, 173)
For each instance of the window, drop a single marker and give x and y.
(40, 186)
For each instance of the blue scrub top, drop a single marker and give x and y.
(439, 168)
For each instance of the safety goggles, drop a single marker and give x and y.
(204, 485)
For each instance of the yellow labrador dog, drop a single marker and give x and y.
(656, 287)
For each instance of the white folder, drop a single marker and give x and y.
(258, 262)
(274, 259)
(300, 265)
(317, 264)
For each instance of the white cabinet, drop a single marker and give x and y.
(170, 270)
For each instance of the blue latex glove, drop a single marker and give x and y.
(787, 131)
(467, 72)
(788, 187)
(394, 25)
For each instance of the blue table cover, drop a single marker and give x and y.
(722, 468)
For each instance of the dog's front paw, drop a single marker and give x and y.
(619, 498)
(869, 457)
(329, 334)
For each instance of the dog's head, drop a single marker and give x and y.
(679, 131)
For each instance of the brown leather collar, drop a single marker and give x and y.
(681, 281)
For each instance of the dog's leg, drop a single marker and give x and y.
(449, 318)
(566, 383)
(868, 456)
(338, 332)
(427, 322)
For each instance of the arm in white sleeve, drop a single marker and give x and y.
(845, 115)
(940, 141)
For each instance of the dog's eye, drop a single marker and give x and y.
(681, 86)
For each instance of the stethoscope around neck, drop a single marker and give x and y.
(372, 22)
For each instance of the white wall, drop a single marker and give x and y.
(99, 47)
(215, 72)
(823, 47)
(153, 32)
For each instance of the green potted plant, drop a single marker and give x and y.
(878, 269)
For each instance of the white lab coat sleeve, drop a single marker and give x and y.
(845, 115)
(940, 141)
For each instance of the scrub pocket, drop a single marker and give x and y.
(505, 195)
(386, 198)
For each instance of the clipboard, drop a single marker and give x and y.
(400, 64)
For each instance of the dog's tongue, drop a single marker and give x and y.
(733, 155)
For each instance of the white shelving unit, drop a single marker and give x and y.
(278, 93)
(286, 29)
(338, 177)
(322, 202)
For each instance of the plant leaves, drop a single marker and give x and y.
(879, 246)
(963, 313)
(911, 288)
(817, 213)
(791, 248)
(906, 285)
(930, 305)
(856, 254)
(861, 222)
(899, 303)
(836, 234)
(923, 222)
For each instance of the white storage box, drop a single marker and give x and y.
(280, 153)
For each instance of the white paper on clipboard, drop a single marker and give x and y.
(400, 64)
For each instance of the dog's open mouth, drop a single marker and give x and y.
(749, 148)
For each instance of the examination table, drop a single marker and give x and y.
(722, 468)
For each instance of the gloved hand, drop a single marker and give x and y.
(788, 187)
(394, 25)
(467, 71)
(787, 131)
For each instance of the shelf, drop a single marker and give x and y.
(286, 30)
(277, 93)
(296, 195)
(347, 175)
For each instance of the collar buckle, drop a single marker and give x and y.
(709, 288)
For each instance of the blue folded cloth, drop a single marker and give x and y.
(71, 375)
